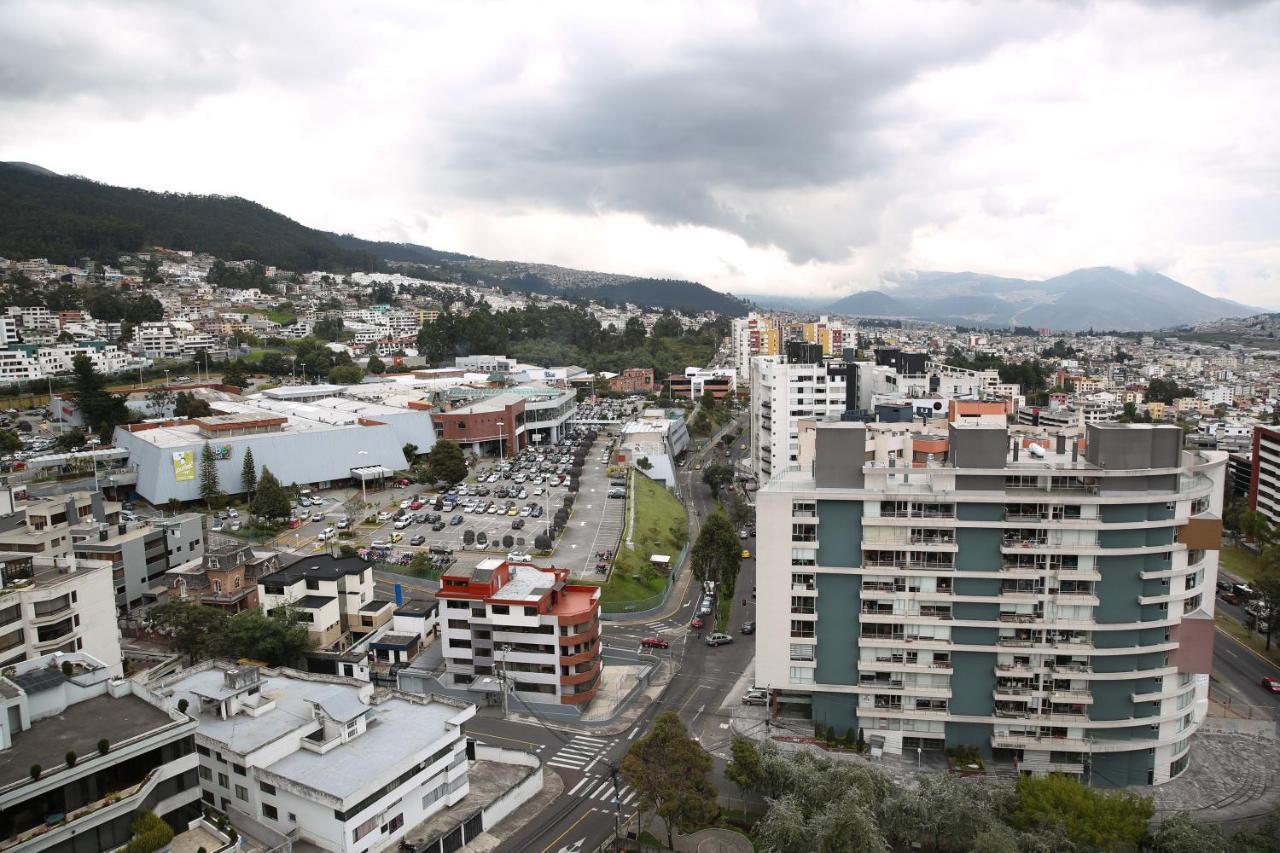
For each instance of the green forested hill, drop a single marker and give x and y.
(64, 219)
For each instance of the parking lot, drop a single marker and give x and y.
(597, 520)
(482, 506)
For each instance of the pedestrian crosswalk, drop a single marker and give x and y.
(580, 753)
(601, 789)
(665, 625)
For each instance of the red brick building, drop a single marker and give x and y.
(634, 380)
(485, 426)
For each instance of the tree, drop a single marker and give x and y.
(346, 374)
(329, 329)
(102, 411)
(1130, 413)
(160, 399)
(633, 333)
(9, 441)
(234, 373)
(249, 473)
(1181, 833)
(1088, 817)
(195, 628)
(740, 512)
(1254, 525)
(447, 463)
(376, 366)
(188, 405)
(210, 489)
(717, 554)
(745, 769)
(717, 476)
(70, 440)
(1269, 586)
(271, 500)
(410, 451)
(278, 638)
(670, 773)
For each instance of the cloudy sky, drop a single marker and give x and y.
(809, 148)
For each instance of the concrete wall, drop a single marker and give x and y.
(842, 448)
(517, 796)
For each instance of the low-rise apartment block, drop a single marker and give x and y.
(57, 604)
(323, 760)
(334, 598)
(71, 703)
(521, 623)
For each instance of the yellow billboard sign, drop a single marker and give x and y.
(184, 465)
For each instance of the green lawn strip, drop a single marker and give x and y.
(660, 528)
(1241, 564)
(722, 614)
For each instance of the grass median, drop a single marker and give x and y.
(1241, 564)
(660, 528)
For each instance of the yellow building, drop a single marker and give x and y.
(1156, 410)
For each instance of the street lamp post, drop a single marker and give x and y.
(364, 495)
(501, 449)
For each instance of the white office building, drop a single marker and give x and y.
(326, 761)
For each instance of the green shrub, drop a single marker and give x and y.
(182, 706)
(103, 746)
(70, 758)
(36, 769)
(66, 668)
(150, 833)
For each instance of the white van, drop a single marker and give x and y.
(327, 534)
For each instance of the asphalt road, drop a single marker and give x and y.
(584, 816)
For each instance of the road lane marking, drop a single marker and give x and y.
(581, 782)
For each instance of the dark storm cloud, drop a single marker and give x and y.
(719, 135)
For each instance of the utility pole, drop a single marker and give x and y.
(502, 677)
(617, 803)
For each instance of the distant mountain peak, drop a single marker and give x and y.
(29, 167)
(1103, 298)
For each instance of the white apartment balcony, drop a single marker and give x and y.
(897, 663)
(1052, 744)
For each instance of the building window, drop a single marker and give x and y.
(242, 793)
(500, 609)
(269, 810)
(206, 773)
(223, 781)
(801, 651)
(203, 750)
(266, 788)
(801, 675)
(239, 769)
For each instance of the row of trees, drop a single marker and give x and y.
(277, 639)
(568, 335)
(815, 804)
(268, 498)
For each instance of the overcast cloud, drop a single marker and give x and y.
(809, 148)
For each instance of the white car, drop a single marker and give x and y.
(525, 512)
(384, 516)
(405, 504)
(231, 513)
(403, 523)
(539, 492)
(315, 516)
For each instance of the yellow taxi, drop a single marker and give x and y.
(746, 555)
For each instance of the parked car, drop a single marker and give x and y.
(748, 627)
(1271, 684)
(457, 519)
(755, 696)
(402, 523)
(718, 640)
(418, 540)
(697, 622)
(516, 523)
(654, 643)
(746, 555)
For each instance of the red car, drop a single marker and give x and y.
(1272, 684)
(655, 643)
(416, 505)
(697, 622)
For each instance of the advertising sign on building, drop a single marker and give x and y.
(184, 465)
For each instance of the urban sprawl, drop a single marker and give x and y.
(349, 562)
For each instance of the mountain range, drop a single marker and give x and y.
(64, 218)
(1102, 298)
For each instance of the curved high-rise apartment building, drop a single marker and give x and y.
(1047, 598)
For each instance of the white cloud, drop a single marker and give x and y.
(805, 148)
